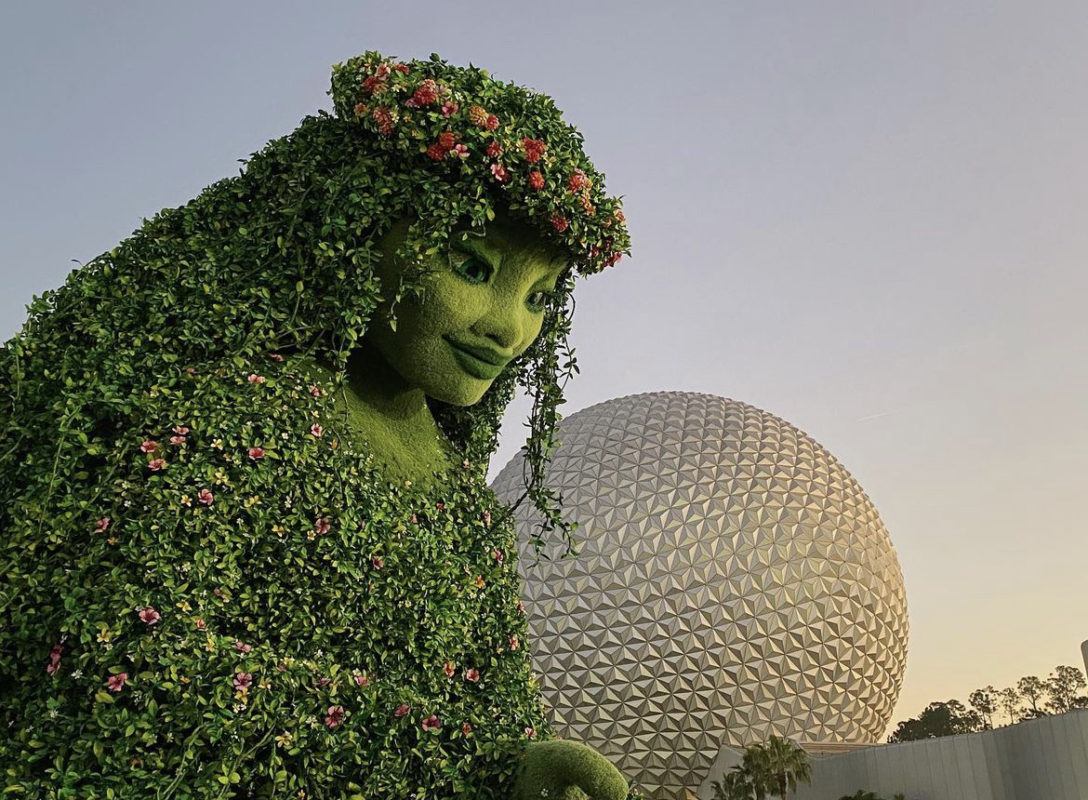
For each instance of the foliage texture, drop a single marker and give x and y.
(208, 588)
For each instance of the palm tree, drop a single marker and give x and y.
(860, 794)
(736, 785)
(787, 764)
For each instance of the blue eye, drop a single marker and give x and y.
(536, 301)
(473, 269)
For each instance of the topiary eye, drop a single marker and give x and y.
(536, 301)
(473, 269)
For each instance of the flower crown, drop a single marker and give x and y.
(471, 128)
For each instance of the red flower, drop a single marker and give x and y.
(316, 430)
(205, 497)
(150, 616)
(242, 681)
(436, 152)
(317, 391)
(472, 675)
(577, 180)
(177, 440)
(335, 716)
(401, 710)
(54, 659)
(361, 680)
(156, 464)
(493, 149)
(117, 682)
(149, 446)
(500, 173)
(373, 84)
(431, 723)
(426, 94)
(447, 140)
(448, 109)
(514, 643)
(560, 223)
(534, 149)
(101, 525)
(256, 453)
(242, 647)
(449, 669)
(536, 180)
(322, 526)
(492, 122)
(377, 562)
(255, 378)
(403, 69)
(181, 430)
(466, 729)
(384, 119)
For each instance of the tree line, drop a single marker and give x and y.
(989, 708)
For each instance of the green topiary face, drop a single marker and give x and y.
(480, 306)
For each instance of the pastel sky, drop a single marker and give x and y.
(866, 218)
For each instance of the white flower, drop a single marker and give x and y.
(77, 674)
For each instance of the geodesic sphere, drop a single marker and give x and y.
(734, 582)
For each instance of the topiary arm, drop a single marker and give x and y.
(552, 769)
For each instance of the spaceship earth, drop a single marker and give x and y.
(733, 582)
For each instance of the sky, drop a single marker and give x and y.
(868, 219)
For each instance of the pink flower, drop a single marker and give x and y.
(497, 555)
(156, 464)
(256, 453)
(335, 716)
(149, 445)
(317, 391)
(460, 151)
(54, 659)
(276, 357)
(150, 616)
(415, 520)
(500, 173)
(242, 647)
(448, 109)
(401, 710)
(361, 680)
(101, 525)
(530, 731)
(514, 643)
(377, 562)
(200, 624)
(242, 681)
(255, 378)
(521, 607)
(466, 729)
(464, 464)
(449, 669)
(177, 440)
(181, 430)
(487, 518)
(316, 430)
(431, 723)
(117, 682)
(472, 675)
(440, 506)
(322, 526)
(321, 683)
(493, 150)
(205, 497)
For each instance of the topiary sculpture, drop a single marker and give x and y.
(248, 547)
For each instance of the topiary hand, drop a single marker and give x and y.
(564, 770)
